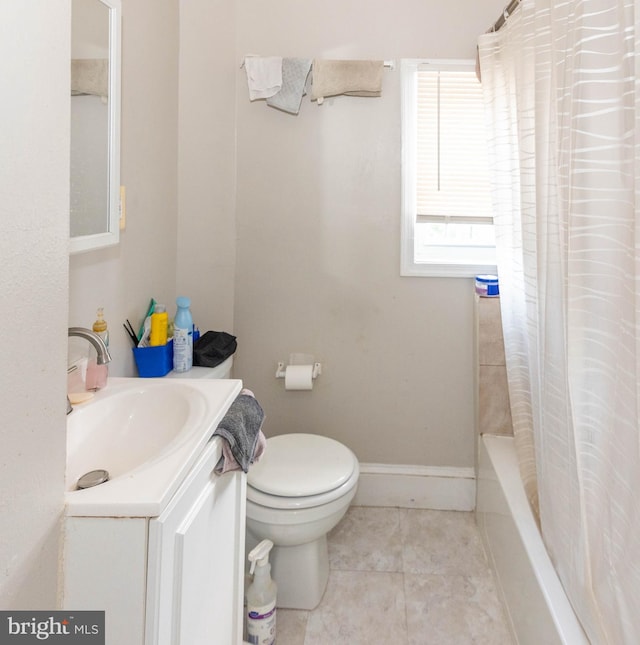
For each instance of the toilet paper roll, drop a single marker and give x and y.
(298, 377)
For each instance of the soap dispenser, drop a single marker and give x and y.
(100, 326)
(261, 597)
(97, 374)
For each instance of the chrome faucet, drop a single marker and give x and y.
(103, 353)
(101, 349)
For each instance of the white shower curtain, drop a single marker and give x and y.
(563, 105)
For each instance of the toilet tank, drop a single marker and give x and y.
(219, 371)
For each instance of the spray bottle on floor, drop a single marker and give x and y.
(261, 597)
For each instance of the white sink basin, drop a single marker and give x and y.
(146, 433)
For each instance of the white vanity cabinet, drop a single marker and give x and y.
(196, 567)
(175, 579)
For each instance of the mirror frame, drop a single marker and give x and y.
(111, 236)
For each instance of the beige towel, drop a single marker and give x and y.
(90, 76)
(351, 77)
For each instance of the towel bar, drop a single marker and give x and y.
(391, 64)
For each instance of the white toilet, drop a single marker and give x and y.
(297, 492)
(223, 370)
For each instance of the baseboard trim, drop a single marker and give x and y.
(428, 487)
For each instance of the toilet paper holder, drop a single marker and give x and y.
(282, 370)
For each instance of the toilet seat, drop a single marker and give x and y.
(301, 471)
(299, 503)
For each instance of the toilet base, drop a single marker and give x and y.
(301, 573)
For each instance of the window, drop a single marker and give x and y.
(447, 222)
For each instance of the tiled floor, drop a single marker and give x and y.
(402, 576)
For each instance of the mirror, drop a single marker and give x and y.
(95, 124)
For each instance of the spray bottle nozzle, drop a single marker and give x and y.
(260, 554)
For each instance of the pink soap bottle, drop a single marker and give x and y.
(97, 374)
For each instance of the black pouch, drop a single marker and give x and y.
(213, 347)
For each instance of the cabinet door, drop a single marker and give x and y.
(196, 567)
(208, 584)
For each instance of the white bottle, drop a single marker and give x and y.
(261, 598)
(182, 336)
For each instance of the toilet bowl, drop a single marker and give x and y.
(297, 492)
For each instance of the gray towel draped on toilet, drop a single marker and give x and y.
(241, 431)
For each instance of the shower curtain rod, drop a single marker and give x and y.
(509, 9)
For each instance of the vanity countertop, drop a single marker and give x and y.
(147, 433)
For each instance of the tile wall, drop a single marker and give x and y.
(493, 412)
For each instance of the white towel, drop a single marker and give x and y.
(294, 77)
(351, 77)
(264, 76)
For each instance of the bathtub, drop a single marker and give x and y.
(537, 606)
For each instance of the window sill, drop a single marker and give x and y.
(440, 270)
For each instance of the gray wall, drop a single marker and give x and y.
(207, 166)
(318, 255)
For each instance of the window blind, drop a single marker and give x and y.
(452, 182)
